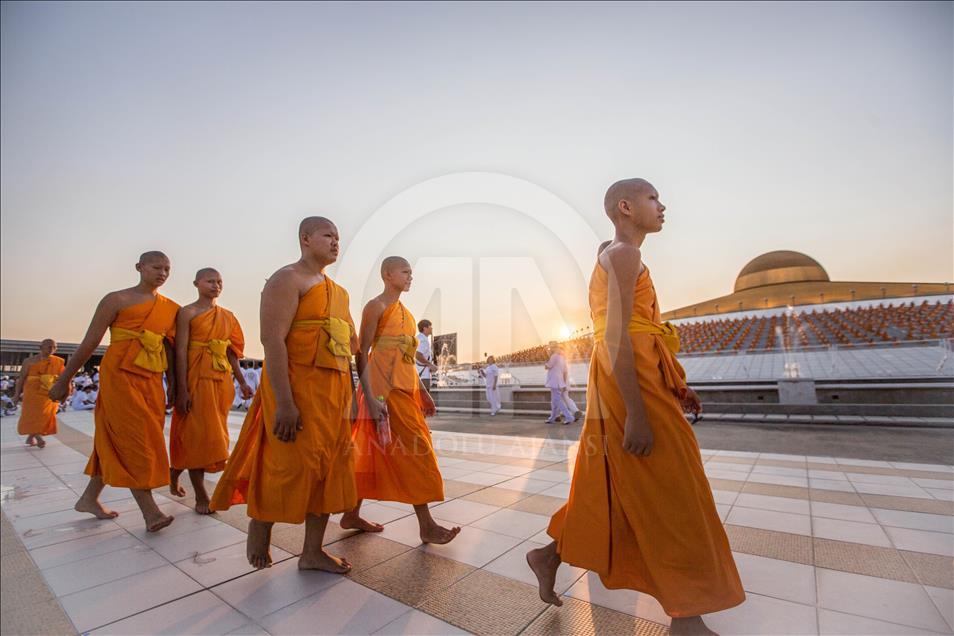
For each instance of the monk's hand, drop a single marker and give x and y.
(428, 404)
(183, 402)
(377, 410)
(637, 436)
(57, 393)
(287, 422)
(247, 392)
(691, 402)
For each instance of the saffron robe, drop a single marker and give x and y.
(38, 414)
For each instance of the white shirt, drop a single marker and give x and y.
(77, 402)
(424, 348)
(251, 378)
(492, 372)
(555, 372)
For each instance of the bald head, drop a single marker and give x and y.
(310, 225)
(48, 341)
(152, 256)
(627, 190)
(392, 263)
(205, 272)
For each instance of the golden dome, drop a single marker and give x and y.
(778, 267)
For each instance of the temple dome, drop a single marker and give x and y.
(783, 266)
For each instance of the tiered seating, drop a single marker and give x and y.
(840, 327)
(825, 327)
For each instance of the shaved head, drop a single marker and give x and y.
(391, 263)
(205, 271)
(310, 225)
(47, 341)
(625, 189)
(151, 256)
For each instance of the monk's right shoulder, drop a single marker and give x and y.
(283, 279)
(623, 257)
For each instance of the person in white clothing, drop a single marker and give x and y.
(492, 373)
(251, 378)
(424, 358)
(570, 404)
(84, 399)
(556, 382)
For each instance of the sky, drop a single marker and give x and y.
(476, 140)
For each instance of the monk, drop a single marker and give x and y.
(293, 459)
(404, 467)
(209, 343)
(37, 374)
(129, 450)
(640, 511)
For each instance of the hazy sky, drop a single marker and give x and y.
(209, 130)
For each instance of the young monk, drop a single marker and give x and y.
(403, 468)
(209, 343)
(640, 512)
(37, 375)
(293, 460)
(129, 450)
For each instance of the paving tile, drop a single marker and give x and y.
(413, 576)
(367, 550)
(176, 547)
(578, 617)
(474, 546)
(730, 485)
(775, 578)
(342, 608)
(944, 601)
(770, 520)
(200, 613)
(914, 520)
(724, 497)
(527, 485)
(915, 492)
(509, 470)
(463, 604)
(922, 541)
(496, 496)
(852, 531)
(930, 569)
(419, 624)
(778, 504)
(513, 523)
(828, 475)
(910, 504)
(890, 480)
(80, 575)
(830, 622)
(104, 604)
(781, 480)
(211, 568)
(454, 489)
(764, 615)
(941, 494)
(547, 474)
(775, 490)
(892, 601)
(482, 478)
(796, 548)
(837, 497)
(78, 549)
(841, 511)
(886, 563)
(67, 532)
(41, 618)
(462, 511)
(590, 588)
(539, 504)
(266, 591)
(22, 584)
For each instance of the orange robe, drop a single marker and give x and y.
(129, 450)
(285, 481)
(644, 523)
(200, 438)
(406, 469)
(38, 416)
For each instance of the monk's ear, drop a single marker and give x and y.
(139, 267)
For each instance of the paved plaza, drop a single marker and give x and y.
(824, 545)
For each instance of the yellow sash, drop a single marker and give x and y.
(339, 334)
(407, 344)
(219, 351)
(152, 357)
(637, 324)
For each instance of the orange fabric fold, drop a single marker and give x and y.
(285, 481)
(200, 438)
(129, 450)
(406, 469)
(644, 523)
(38, 411)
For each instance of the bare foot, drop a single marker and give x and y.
(29, 441)
(438, 534)
(202, 507)
(326, 562)
(351, 521)
(544, 566)
(155, 524)
(174, 486)
(257, 545)
(40, 442)
(690, 626)
(94, 508)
